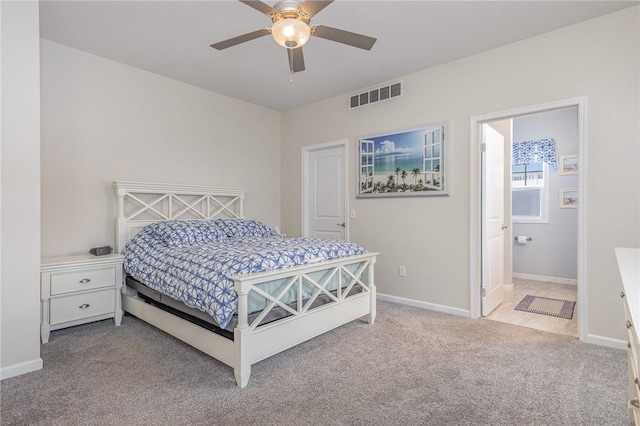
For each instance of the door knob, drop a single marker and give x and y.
(343, 224)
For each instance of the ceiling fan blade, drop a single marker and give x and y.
(241, 39)
(311, 7)
(260, 7)
(342, 36)
(296, 60)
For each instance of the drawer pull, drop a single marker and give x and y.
(629, 345)
(622, 294)
(635, 403)
(84, 280)
(629, 325)
(84, 306)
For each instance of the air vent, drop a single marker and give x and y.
(376, 95)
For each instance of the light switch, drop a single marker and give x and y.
(353, 214)
(402, 271)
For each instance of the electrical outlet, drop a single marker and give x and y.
(353, 214)
(402, 271)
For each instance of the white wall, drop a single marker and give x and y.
(104, 121)
(20, 199)
(554, 247)
(430, 235)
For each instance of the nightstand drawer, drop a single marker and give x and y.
(83, 305)
(69, 282)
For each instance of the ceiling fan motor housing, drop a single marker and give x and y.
(289, 5)
(289, 9)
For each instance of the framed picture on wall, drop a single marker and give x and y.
(568, 198)
(405, 163)
(568, 164)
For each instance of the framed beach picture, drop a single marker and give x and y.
(568, 198)
(406, 163)
(568, 164)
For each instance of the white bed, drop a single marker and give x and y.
(140, 204)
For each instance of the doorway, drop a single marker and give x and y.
(481, 264)
(540, 265)
(324, 191)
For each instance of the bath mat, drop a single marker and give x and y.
(547, 306)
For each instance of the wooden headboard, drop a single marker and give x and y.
(143, 203)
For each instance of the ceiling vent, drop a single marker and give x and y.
(376, 95)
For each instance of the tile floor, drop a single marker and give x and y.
(521, 287)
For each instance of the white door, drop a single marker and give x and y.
(492, 219)
(324, 189)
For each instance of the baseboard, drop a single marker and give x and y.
(425, 305)
(19, 369)
(606, 341)
(557, 280)
(591, 338)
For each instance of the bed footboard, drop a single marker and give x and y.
(254, 342)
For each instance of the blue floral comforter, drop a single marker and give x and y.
(201, 274)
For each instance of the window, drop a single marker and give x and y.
(366, 166)
(432, 159)
(530, 193)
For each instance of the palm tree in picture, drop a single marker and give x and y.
(403, 175)
(416, 173)
(398, 170)
(391, 182)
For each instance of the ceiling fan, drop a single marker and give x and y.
(291, 29)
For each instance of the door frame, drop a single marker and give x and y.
(475, 219)
(306, 151)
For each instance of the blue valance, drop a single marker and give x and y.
(537, 151)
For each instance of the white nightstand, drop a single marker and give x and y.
(79, 289)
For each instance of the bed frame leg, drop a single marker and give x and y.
(371, 317)
(242, 377)
(242, 366)
(242, 339)
(372, 292)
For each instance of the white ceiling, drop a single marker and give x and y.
(172, 38)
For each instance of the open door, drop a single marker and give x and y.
(492, 219)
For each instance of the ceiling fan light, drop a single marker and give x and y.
(290, 32)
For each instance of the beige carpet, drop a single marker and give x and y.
(412, 367)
